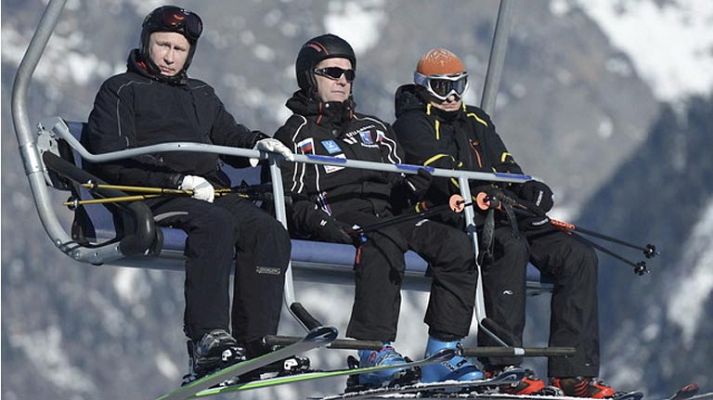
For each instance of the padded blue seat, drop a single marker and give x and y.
(310, 259)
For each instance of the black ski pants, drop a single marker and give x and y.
(574, 306)
(379, 271)
(230, 231)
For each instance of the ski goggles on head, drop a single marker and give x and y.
(176, 19)
(335, 73)
(443, 86)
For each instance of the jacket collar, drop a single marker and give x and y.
(135, 63)
(409, 97)
(324, 113)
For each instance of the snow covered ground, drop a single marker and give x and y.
(686, 306)
(669, 42)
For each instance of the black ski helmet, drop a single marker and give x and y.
(314, 51)
(171, 19)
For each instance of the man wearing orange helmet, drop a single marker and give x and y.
(436, 128)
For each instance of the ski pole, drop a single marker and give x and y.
(649, 250)
(135, 189)
(153, 190)
(456, 202)
(523, 209)
(255, 192)
(73, 203)
(639, 267)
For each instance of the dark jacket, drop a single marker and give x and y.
(136, 109)
(334, 129)
(464, 139)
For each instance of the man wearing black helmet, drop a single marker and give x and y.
(153, 102)
(329, 200)
(438, 129)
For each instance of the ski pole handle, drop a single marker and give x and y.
(304, 316)
(563, 226)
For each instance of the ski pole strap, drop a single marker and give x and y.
(488, 235)
(510, 213)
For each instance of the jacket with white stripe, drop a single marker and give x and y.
(334, 129)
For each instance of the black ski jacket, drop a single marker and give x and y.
(334, 129)
(464, 139)
(135, 109)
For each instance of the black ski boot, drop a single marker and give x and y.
(288, 366)
(216, 350)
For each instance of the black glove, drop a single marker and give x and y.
(417, 184)
(312, 221)
(332, 230)
(538, 196)
(531, 223)
(451, 218)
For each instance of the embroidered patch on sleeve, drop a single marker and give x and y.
(334, 168)
(331, 146)
(306, 146)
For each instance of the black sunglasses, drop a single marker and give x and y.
(182, 21)
(335, 73)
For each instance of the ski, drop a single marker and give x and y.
(685, 392)
(628, 396)
(443, 389)
(440, 356)
(702, 396)
(317, 337)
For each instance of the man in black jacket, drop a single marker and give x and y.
(155, 102)
(329, 200)
(437, 129)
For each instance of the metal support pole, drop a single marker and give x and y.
(278, 194)
(479, 306)
(497, 58)
(28, 149)
(469, 215)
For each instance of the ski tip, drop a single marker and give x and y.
(322, 334)
(691, 387)
(687, 391)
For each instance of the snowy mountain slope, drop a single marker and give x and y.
(661, 319)
(669, 42)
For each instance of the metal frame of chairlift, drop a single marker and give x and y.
(36, 171)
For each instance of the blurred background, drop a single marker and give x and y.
(609, 102)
